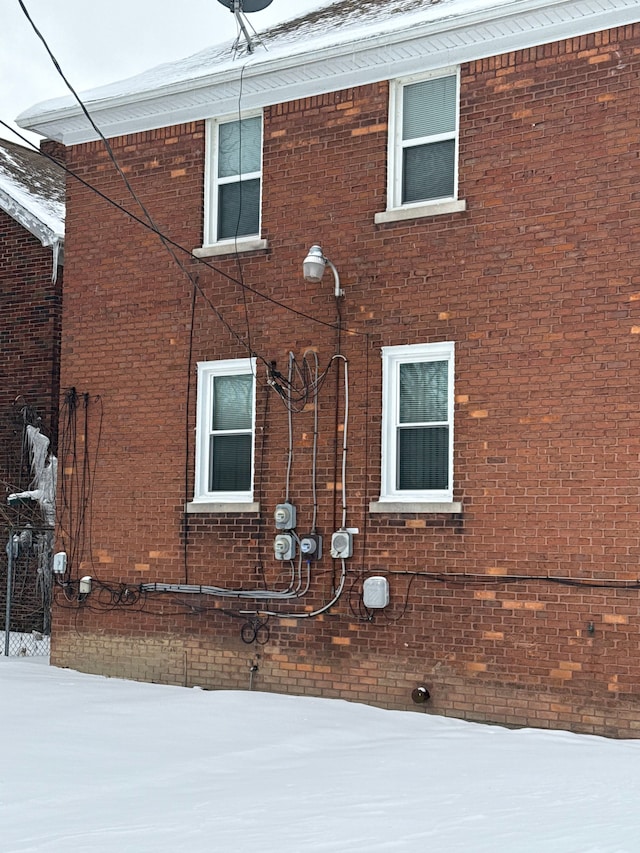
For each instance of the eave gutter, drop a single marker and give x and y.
(48, 237)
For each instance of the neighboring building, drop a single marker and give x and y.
(32, 200)
(32, 203)
(466, 417)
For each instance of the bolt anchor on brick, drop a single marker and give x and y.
(253, 668)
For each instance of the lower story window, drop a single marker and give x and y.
(225, 431)
(417, 431)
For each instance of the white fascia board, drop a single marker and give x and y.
(46, 235)
(398, 53)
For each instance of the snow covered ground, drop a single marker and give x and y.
(93, 764)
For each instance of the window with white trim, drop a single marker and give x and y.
(417, 422)
(225, 426)
(233, 179)
(423, 141)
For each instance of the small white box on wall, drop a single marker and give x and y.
(375, 592)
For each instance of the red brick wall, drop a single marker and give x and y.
(536, 283)
(30, 314)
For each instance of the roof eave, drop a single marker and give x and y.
(442, 43)
(29, 221)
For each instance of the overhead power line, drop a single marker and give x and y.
(150, 224)
(176, 245)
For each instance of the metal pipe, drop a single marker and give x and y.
(7, 616)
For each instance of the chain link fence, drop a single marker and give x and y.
(34, 644)
(25, 591)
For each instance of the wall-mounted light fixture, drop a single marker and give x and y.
(313, 268)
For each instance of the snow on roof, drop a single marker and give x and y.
(329, 25)
(32, 191)
(337, 45)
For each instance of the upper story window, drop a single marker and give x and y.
(423, 147)
(428, 140)
(225, 425)
(417, 422)
(233, 179)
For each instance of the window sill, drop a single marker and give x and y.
(237, 508)
(230, 247)
(416, 211)
(415, 506)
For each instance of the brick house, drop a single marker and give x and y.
(429, 480)
(32, 198)
(31, 256)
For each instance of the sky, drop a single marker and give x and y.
(111, 766)
(101, 43)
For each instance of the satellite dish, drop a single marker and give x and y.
(246, 5)
(239, 9)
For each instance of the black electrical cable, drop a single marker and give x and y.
(473, 578)
(300, 394)
(392, 619)
(179, 247)
(85, 478)
(259, 483)
(169, 245)
(358, 611)
(304, 393)
(89, 118)
(187, 436)
(68, 454)
(255, 630)
(77, 482)
(239, 216)
(96, 455)
(107, 597)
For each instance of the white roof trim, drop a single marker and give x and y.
(29, 221)
(445, 42)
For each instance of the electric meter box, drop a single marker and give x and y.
(311, 546)
(341, 544)
(285, 516)
(375, 593)
(284, 547)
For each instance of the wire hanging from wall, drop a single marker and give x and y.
(299, 582)
(305, 389)
(79, 458)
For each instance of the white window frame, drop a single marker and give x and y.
(212, 183)
(396, 209)
(392, 358)
(207, 372)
